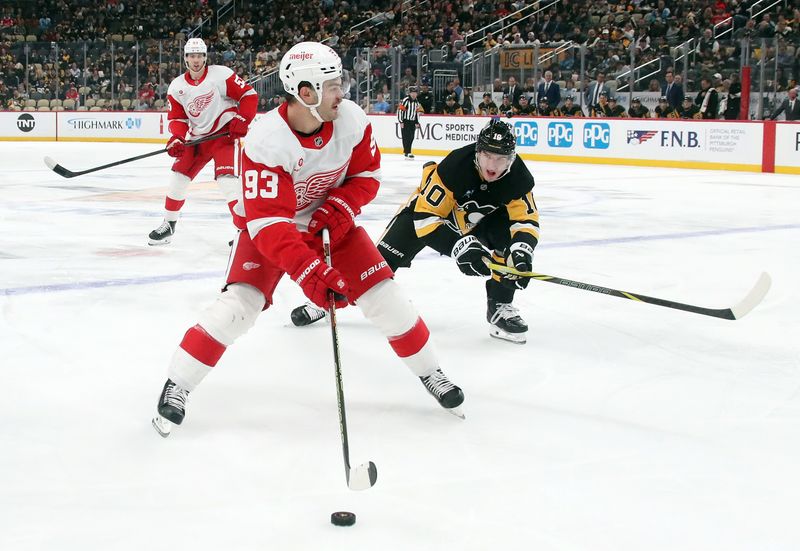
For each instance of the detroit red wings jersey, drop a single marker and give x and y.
(287, 176)
(206, 105)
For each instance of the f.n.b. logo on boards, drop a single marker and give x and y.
(527, 133)
(679, 138)
(26, 122)
(559, 134)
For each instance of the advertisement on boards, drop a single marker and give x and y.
(27, 125)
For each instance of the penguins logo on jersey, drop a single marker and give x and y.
(473, 212)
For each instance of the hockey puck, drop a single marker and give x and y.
(343, 518)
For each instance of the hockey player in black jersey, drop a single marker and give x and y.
(476, 204)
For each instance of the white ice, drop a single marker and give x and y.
(619, 426)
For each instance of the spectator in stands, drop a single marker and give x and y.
(487, 106)
(380, 105)
(463, 55)
(147, 95)
(72, 93)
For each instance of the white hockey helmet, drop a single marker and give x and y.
(310, 62)
(195, 46)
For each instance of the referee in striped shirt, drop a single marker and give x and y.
(408, 116)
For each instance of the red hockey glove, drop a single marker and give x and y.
(237, 128)
(334, 214)
(317, 279)
(175, 147)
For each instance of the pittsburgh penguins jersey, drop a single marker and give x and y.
(453, 198)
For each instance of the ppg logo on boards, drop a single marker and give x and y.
(26, 122)
(527, 133)
(559, 134)
(596, 135)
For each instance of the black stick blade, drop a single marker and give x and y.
(58, 169)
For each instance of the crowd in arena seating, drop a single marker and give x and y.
(66, 46)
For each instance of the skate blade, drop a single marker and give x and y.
(162, 426)
(165, 241)
(456, 411)
(516, 338)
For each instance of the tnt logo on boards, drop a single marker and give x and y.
(527, 132)
(26, 122)
(596, 135)
(559, 134)
(679, 138)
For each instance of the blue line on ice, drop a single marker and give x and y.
(78, 285)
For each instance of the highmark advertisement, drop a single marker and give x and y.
(117, 126)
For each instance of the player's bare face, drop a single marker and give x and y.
(195, 63)
(493, 165)
(332, 95)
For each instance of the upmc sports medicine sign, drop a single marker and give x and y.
(689, 144)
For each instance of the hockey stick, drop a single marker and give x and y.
(364, 476)
(738, 311)
(66, 173)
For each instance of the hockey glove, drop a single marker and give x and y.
(520, 257)
(175, 147)
(317, 279)
(469, 255)
(237, 128)
(334, 214)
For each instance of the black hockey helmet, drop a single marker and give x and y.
(497, 137)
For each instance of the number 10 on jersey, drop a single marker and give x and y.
(264, 184)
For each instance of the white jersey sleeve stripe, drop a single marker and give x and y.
(255, 226)
(367, 174)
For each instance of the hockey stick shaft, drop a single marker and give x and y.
(752, 299)
(66, 173)
(365, 475)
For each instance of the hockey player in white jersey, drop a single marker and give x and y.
(308, 165)
(205, 100)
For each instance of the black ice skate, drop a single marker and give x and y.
(307, 314)
(446, 393)
(171, 408)
(162, 234)
(506, 322)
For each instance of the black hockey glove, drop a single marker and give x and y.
(520, 257)
(469, 255)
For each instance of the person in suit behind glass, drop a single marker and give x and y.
(550, 90)
(791, 105)
(595, 89)
(513, 91)
(672, 90)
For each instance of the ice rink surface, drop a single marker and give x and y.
(618, 426)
